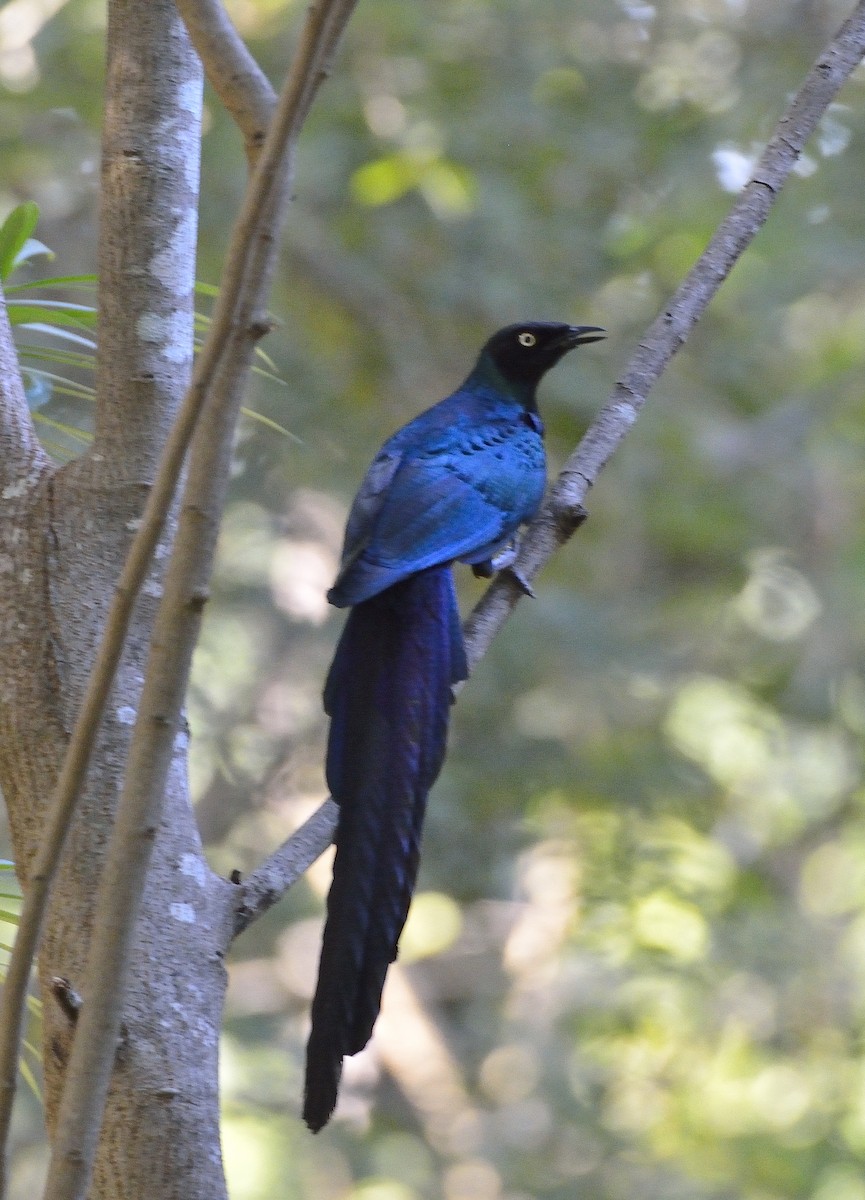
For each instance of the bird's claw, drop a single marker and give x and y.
(523, 583)
(505, 560)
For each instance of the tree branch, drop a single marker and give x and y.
(22, 458)
(231, 70)
(234, 74)
(236, 326)
(563, 512)
(269, 882)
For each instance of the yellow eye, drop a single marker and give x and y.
(526, 338)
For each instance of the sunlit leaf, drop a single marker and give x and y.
(14, 234)
(88, 281)
(53, 354)
(268, 423)
(70, 431)
(51, 313)
(383, 181)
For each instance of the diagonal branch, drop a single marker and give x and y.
(269, 882)
(563, 511)
(219, 379)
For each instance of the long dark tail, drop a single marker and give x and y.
(388, 695)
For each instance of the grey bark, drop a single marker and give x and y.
(67, 533)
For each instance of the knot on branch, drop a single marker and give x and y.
(568, 518)
(198, 599)
(260, 326)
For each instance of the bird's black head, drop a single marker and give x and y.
(521, 354)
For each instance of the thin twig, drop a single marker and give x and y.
(248, 273)
(563, 511)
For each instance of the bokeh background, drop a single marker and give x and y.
(635, 966)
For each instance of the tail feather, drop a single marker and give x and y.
(388, 695)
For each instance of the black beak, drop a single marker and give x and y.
(582, 335)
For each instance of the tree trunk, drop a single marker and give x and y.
(63, 537)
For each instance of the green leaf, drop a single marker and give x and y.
(70, 431)
(6, 915)
(266, 421)
(67, 358)
(14, 233)
(85, 281)
(384, 180)
(269, 363)
(53, 312)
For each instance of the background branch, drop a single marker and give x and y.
(563, 512)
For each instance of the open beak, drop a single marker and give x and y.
(582, 335)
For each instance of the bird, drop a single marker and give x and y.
(454, 484)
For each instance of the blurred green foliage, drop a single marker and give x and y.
(637, 963)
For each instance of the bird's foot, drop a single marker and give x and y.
(498, 562)
(503, 561)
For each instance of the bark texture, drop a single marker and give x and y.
(63, 538)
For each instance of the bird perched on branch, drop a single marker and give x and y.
(454, 484)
